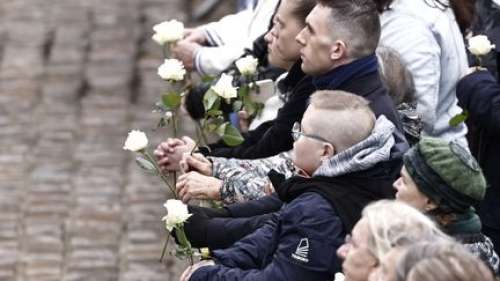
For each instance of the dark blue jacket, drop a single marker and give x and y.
(300, 243)
(370, 87)
(479, 94)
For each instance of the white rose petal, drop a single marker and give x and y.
(168, 32)
(172, 70)
(136, 141)
(339, 277)
(224, 87)
(247, 65)
(480, 45)
(177, 213)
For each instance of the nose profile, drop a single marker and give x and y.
(343, 250)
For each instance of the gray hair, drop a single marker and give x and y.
(396, 75)
(394, 224)
(430, 261)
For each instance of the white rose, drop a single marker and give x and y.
(177, 213)
(480, 45)
(224, 87)
(172, 69)
(247, 65)
(136, 141)
(168, 32)
(339, 277)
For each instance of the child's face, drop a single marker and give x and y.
(309, 151)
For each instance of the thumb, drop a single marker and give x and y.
(201, 158)
(243, 114)
(194, 163)
(188, 141)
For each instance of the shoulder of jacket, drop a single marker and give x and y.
(309, 205)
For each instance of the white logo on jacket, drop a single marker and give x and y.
(302, 250)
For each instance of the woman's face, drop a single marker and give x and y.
(408, 192)
(359, 261)
(281, 44)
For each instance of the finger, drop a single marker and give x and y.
(158, 151)
(200, 157)
(179, 187)
(164, 161)
(186, 198)
(171, 143)
(192, 162)
(184, 166)
(185, 274)
(183, 177)
(243, 114)
(184, 190)
(188, 141)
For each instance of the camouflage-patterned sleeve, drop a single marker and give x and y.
(244, 180)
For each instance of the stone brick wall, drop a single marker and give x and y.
(75, 76)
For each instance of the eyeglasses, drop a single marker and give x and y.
(297, 132)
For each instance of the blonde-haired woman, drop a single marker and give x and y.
(384, 225)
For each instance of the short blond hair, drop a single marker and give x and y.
(345, 118)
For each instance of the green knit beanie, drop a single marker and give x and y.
(446, 172)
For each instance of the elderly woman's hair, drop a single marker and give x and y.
(431, 261)
(396, 75)
(394, 224)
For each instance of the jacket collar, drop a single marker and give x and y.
(338, 76)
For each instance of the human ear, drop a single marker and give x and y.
(328, 151)
(338, 50)
(429, 205)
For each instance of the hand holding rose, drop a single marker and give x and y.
(194, 185)
(196, 162)
(169, 153)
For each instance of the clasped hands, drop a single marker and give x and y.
(196, 181)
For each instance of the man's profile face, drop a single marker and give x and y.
(317, 42)
(283, 49)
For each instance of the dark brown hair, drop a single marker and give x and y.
(357, 19)
(302, 8)
(462, 9)
(382, 5)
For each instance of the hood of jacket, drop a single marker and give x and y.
(364, 155)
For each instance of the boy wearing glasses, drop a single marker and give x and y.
(339, 150)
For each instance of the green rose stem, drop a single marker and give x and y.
(181, 236)
(174, 126)
(166, 49)
(479, 61)
(164, 248)
(162, 176)
(201, 135)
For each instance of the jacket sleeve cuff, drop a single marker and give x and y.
(467, 85)
(197, 61)
(202, 273)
